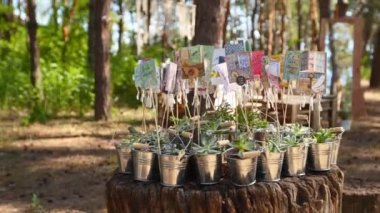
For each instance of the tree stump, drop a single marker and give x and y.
(315, 192)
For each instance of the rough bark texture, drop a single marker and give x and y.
(210, 22)
(282, 28)
(315, 192)
(271, 19)
(120, 24)
(33, 45)
(375, 74)
(100, 36)
(253, 21)
(324, 12)
(361, 202)
(314, 24)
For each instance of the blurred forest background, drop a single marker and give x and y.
(69, 57)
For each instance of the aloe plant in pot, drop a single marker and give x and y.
(242, 160)
(271, 160)
(320, 152)
(296, 151)
(208, 160)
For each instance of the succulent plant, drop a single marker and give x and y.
(243, 143)
(323, 135)
(208, 145)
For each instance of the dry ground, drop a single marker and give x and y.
(67, 162)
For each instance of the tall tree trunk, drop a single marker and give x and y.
(91, 37)
(210, 21)
(375, 74)
(314, 24)
(120, 25)
(68, 16)
(271, 18)
(226, 22)
(299, 15)
(253, 20)
(261, 25)
(54, 18)
(99, 17)
(34, 50)
(324, 12)
(282, 28)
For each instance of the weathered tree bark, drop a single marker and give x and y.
(100, 36)
(282, 27)
(375, 73)
(120, 24)
(253, 20)
(315, 192)
(210, 22)
(68, 16)
(314, 24)
(54, 17)
(324, 12)
(300, 21)
(271, 16)
(361, 202)
(34, 51)
(261, 25)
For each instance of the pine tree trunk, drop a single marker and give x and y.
(100, 38)
(299, 15)
(314, 24)
(54, 17)
(34, 50)
(324, 11)
(210, 22)
(282, 29)
(271, 18)
(261, 25)
(253, 20)
(375, 74)
(120, 25)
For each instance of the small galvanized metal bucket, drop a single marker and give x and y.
(124, 157)
(208, 168)
(145, 165)
(242, 172)
(295, 160)
(173, 169)
(320, 156)
(336, 143)
(269, 166)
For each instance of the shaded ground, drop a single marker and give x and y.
(66, 163)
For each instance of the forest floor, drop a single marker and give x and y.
(65, 163)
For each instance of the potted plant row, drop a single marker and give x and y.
(276, 151)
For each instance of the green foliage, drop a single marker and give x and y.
(323, 135)
(208, 145)
(253, 119)
(181, 124)
(123, 65)
(275, 143)
(224, 113)
(243, 143)
(36, 204)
